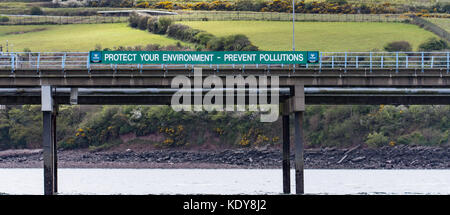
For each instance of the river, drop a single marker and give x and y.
(225, 181)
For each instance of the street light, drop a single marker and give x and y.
(293, 25)
(293, 29)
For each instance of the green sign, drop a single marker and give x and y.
(190, 57)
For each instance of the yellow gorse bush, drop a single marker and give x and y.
(392, 143)
(321, 7)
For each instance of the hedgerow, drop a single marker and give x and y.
(182, 32)
(164, 25)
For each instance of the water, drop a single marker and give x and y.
(226, 181)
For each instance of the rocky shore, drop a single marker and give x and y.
(398, 157)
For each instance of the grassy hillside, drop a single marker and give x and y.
(443, 23)
(82, 37)
(322, 36)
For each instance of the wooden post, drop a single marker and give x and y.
(286, 155)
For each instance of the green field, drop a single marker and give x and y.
(80, 37)
(23, 7)
(322, 36)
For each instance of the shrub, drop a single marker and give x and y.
(199, 47)
(442, 7)
(201, 6)
(189, 34)
(182, 32)
(112, 3)
(133, 20)
(245, 5)
(324, 6)
(72, 143)
(250, 47)
(176, 30)
(126, 3)
(36, 11)
(163, 24)
(4, 19)
(152, 24)
(238, 42)
(398, 46)
(339, 2)
(203, 38)
(216, 44)
(164, 5)
(143, 4)
(279, 6)
(415, 138)
(142, 24)
(221, 5)
(433, 44)
(376, 139)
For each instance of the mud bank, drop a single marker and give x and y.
(398, 157)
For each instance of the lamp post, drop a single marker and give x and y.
(293, 30)
(293, 25)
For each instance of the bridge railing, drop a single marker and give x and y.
(368, 61)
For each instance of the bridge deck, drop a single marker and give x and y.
(332, 60)
(374, 69)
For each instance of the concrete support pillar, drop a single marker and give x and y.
(55, 152)
(48, 153)
(299, 109)
(48, 139)
(73, 96)
(299, 164)
(286, 155)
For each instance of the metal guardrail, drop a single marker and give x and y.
(367, 61)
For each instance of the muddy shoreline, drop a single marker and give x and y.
(398, 157)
